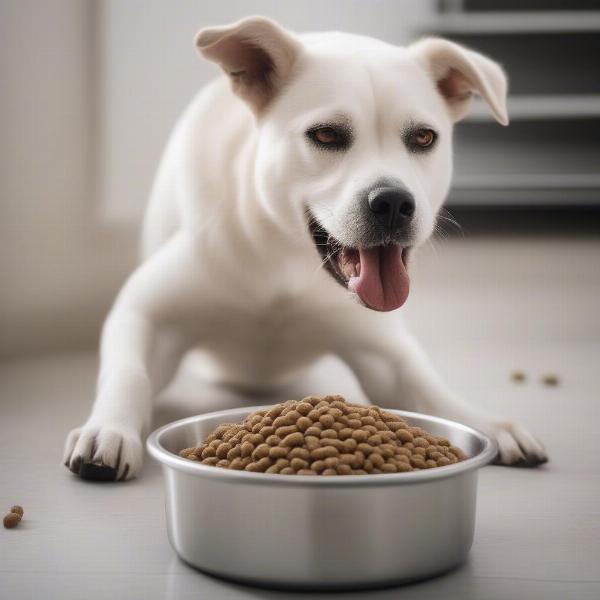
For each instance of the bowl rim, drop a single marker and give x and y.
(167, 458)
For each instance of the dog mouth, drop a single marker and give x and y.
(376, 274)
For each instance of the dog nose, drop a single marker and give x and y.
(392, 206)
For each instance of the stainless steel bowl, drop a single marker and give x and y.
(316, 532)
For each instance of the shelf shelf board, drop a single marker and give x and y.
(528, 181)
(542, 107)
(517, 22)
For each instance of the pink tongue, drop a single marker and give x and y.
(383, 280)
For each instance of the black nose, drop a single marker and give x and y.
(393, 206)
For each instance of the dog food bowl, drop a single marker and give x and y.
(319, 532)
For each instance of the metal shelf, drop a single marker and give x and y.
(517, 22)
(529, 181)
(543, 107)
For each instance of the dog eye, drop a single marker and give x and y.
(330, 137)
(421, 139)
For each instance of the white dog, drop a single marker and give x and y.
(280, 228)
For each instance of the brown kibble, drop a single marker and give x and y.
(323, 436)
(11, 520)
(395, 425)
(360, 435)
(208, 451)
(299, 452)
(314, 430)
(417, 462)
(293, 416)
(223, 449)
(311, 442)
(377, 460)
(331, 462)
(318, 466)
(286, 430)
(387, 450)
(280, 421)
(323, 453)
(278, 452)
(404, 436)
(343, 469)
(345, 433)
(338, 444)
(306, 472)
(365, 448)
(298, 463)
(403, 467)
(457, 452)
(350, 445)
(550, 380)
(303, 423)
(247, 449)
(518, 376)
(329, 433)
(234, 453)
(304, 408)
(267, 431)
(313, 400)
(293, 439)
(275, 411)
(261, 451)
(327, 420)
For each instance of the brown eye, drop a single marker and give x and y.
(326, 135)
(330, 137)
(424, 137)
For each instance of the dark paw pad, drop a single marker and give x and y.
(94, 472)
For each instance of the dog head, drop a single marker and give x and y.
(354, 139)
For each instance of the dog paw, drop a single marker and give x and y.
(103, 452)
(516, 446)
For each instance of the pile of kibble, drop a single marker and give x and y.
(323, 436)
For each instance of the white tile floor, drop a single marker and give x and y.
(482, 307)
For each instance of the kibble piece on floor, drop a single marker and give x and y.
(17, 509)
(323, 436)
(11, 520)
(550, 379)
(518, 376)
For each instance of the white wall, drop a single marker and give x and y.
(58, 269)
(149, 70)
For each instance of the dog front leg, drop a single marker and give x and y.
(137, 359)
(395, 372)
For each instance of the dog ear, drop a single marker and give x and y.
(257, 55)
(459, 72)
